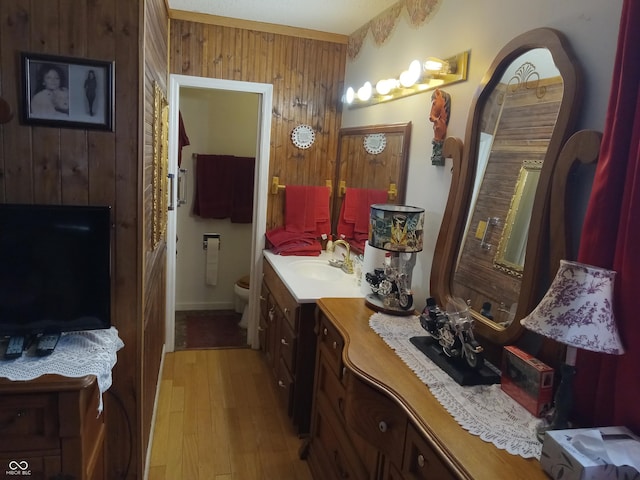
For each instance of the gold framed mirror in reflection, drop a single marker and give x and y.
(497, 214)
(374, 158)
(511, 251)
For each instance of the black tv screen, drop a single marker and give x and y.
(55, 268)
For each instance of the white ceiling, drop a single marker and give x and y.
(334, 16)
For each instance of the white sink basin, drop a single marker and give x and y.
(316, 270)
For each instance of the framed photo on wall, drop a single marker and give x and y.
(67, 92)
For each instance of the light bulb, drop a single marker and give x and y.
(433, 64)
(350, 95)
(383, 87)
(412, 75)
(365, 91)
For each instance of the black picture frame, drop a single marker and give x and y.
(67, 92)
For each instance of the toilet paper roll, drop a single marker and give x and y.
(213, 247)
(373, 258)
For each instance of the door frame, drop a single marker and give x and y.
(260, 192)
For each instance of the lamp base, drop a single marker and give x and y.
(374, 302)
(563, 402)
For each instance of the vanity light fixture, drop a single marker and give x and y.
(576, 311)
(417, 78)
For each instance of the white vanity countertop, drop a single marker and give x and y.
(306, 289)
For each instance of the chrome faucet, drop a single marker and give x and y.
(347, 263)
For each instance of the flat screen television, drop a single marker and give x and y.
(55, 268)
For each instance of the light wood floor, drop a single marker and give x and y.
(218, 418)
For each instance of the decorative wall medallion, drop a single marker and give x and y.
(375, 143)
(303, 136)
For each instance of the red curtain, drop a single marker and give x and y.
(607, 388)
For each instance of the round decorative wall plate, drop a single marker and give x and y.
(375, 143)
(303, 136)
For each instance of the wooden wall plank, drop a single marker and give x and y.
(17, 168)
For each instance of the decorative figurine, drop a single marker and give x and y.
(439, 116)
(454, 331)
(391, 285)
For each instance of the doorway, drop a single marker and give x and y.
(265, 94)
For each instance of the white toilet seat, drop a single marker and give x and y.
(242, 303)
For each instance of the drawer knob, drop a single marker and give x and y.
(284, 342)
(383, 426)
(335, 345)
(325, 332)
(281, 384)
(421, 460)
(286, 312)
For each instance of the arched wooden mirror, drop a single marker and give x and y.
(372, 157)
(492, 250)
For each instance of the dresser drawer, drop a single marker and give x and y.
(284, 384)
(280, 294)
(329, 386)
(331, 449)
(265, 300)
(287, 343)
(29, 422)
(332, 343)
(375, 417)
(421, 461)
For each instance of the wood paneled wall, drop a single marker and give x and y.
(74, 166)
(307, 77)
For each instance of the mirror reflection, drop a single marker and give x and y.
(516, 125)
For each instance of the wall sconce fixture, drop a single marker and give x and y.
(417, 78)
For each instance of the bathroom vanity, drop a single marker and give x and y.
(290, 288)
(372, 416)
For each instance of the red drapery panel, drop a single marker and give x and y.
(607, 388)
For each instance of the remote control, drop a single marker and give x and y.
(15, 347)
(46, 344)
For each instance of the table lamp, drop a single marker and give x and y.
(396, 229)
(578, 312)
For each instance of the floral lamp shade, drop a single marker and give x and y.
(577, 310)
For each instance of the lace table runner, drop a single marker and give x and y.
(482, 410)
(91, 352)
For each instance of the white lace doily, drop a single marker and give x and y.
(482, 410)
(91, 352)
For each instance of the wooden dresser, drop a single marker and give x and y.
(50, 428)
(373, 418)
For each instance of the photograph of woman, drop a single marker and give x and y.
(51, 95)
(90, 85)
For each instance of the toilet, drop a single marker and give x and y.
(241, 291)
